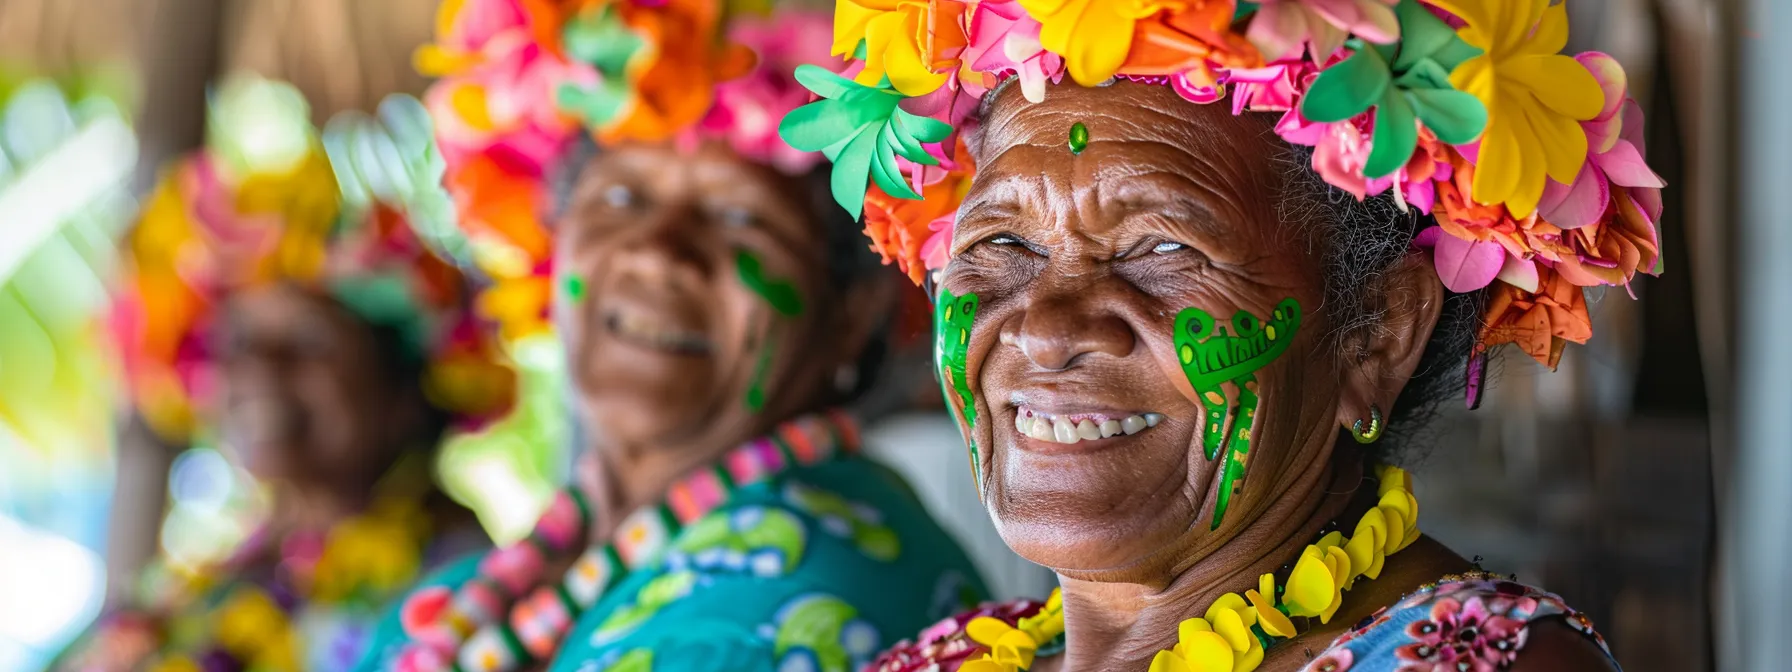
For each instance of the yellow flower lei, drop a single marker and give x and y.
(1232, 636)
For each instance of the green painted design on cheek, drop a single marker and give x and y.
(785, 299)
(1079, 138)
(1211, 357)
(952, 318)
(782, 294)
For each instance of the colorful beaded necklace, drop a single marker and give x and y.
(509, 616)
(1236, 629)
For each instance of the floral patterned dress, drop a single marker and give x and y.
(816, 569)
(1473, 623)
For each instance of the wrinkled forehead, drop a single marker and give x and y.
(1147, 146)
(1126, 112)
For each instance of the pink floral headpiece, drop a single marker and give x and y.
(1529, 161)
(521, 79)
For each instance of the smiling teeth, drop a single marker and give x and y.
(1066, 431)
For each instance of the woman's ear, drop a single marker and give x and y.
(1408, 299)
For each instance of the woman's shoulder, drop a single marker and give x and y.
(1478, 620)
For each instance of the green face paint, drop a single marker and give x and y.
(952, 318)
(574, 286)
(780, 293)
(1211, 357)
(784, 299)
(1079, 138)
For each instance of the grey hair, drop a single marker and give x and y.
(1364, 239)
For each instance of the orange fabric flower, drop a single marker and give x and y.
(1613, 250)
(1461, 217)
(899, 227)
(1541, 323)
(1188, 42)
(674, 86)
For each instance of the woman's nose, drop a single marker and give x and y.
(669, 242)
(1054, 331)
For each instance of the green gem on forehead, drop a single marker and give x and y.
(1079, 138)
(574, 287)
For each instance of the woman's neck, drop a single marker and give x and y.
(1112, 622)
(618, 479)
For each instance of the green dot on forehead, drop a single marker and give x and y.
(1079, 138)
(574, 287)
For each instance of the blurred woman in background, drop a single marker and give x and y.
(321, 344)
(713, 309)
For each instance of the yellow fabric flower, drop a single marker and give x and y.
(1535, 98)
(1046, 625)
(249, 622)
(1198, 649)
(1093, 36)
(1009, 648)
(1273, 622)
(913, 42)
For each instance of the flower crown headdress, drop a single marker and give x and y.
(1529, 161)
(521, 79)
(265, 203)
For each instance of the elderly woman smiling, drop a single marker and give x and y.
(1173, 346)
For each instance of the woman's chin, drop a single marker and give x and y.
(1096, 523)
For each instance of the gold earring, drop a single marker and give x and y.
(1375, 427)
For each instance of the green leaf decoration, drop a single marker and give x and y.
(1348, 88)
(601, 38)
(1407, 84)
(1422, 36)
(1455, 117)
(862, 130)
(1396, 136)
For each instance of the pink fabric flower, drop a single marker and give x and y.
(1338, 659)
(1004, 41)
(1463, 265)
(1282, 27)
(1272, 88)
(937, 250)
(506, 104)
(1614, 155)
(1339, 156)
(747, 109)
(1462, 636)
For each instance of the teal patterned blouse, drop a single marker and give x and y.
(817, 568)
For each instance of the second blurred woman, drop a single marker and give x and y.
(713, 309)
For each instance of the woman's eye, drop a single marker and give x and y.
(620, 197)
(1166, 248)
(1004, 239)
(738, 218)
